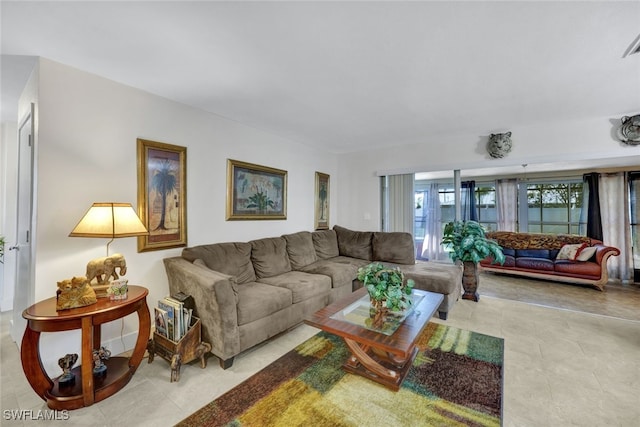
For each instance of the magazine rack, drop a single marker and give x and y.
(189, 348)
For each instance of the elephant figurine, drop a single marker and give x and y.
(103, 269)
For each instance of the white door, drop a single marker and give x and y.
(24, 294)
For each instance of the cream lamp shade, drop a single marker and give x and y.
(110, 220)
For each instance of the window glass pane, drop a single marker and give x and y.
(555, 228)
(488, 214)
(448, 213)
(535, 214)
(554, 214)
(534, 228)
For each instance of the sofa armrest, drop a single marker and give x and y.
(215, 299)
(603, 253)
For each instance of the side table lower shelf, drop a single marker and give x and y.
(118, 375)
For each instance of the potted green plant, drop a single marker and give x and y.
(466, 242)
(387, 288)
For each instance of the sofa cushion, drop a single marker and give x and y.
(509, 261)
(437, 277)
(396, 247)
(233, 259)
(355, 244)
(566, 266)
(269, 257)
(533, 253)
(535, 263)
(326, 244)
(302, 285)
(509, 252)
(341, 274)
(586, 254)
(300, 249)
(571, 251)
(259, 300)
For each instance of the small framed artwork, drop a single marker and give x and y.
(255, 192)
(322, 201)
(162, 195)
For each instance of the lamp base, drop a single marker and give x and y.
(101, 290)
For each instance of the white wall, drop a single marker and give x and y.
(86, 152)
(359, 200)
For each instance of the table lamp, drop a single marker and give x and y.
(110, 220)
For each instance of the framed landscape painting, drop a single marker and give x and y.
(255, 192)
(162, 195)
(322, 201)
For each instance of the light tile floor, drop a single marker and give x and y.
(562, 368)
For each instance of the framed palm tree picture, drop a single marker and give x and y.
(255, 192)
(322, 201)
(162, 195)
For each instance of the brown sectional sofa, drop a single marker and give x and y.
(536, 255)
(247, 292)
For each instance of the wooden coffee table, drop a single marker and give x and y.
(383, 354)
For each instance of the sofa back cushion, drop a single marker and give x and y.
(233, 259)
(300, 249)
(396, 247)
(269, 257)
(326, 244)
(354, 244)
(515, 240)
(533, 253)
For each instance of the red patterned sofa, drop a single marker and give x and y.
(560, 257)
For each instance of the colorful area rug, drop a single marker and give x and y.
(456, 379)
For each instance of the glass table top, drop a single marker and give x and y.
(362, 314)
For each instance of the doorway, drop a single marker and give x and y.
(24, 294)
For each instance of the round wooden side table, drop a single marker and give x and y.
(87, 389)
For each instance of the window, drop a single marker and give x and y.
(554, 207)
(486, 206)
(485, 195)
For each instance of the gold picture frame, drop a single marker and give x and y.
(255, 192)
(162, 195)
(322, 201)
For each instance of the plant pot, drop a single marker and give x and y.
(470, 281)
(378, 313)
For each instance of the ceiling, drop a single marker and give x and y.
(346, 76)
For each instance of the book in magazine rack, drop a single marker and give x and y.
(187, 349)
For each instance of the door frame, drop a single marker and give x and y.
(24, 294)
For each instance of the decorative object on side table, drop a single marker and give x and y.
(109, 220)
(499, 145)
(162, 195)
(99, 356)
(73, 293)
(629, 130)
(465, 241)
(388, 290)
(118, 289)
(66, 363)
